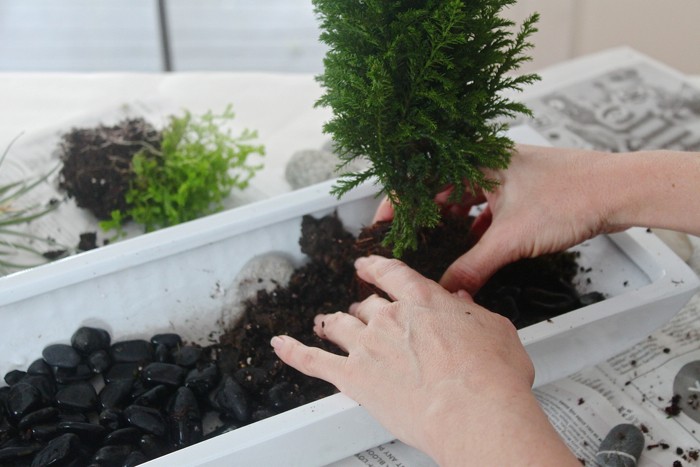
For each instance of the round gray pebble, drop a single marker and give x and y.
(310, 166)
(262, 272)
(687, 386)
(328, 146)
(621, 447)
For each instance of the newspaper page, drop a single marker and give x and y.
(615, 101)
(654, 385)
(619, 100)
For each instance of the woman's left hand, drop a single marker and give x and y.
(425, 364)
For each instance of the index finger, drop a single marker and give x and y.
(397, 279)
(311, 361)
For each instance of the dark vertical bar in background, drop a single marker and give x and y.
(164, 36)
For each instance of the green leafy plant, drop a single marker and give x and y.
(417, 88)
(197, 165)
(13, 214)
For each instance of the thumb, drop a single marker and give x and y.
(471, 270)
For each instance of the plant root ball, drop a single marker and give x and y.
(97, 163)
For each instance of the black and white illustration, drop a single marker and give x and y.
(628, 109)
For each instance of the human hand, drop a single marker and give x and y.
(434, 368)
(547, 200)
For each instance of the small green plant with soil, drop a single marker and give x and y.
(133, 172)
(417, 89)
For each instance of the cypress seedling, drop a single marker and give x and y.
(417, 88)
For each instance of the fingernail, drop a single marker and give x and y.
(276, 342)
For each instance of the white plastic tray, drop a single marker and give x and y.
(180, 279)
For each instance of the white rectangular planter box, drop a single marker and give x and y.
(177, 280)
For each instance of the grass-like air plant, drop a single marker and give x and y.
(13, 215)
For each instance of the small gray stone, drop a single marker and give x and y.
(677, 241)
(265, 272)
(621, 447)
(328, 146)
(262, 273)
(686, 386)
(310, 166)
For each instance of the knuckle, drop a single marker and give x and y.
(506, 324)
(389, 310)
(387, 315)
(397, 271)
(463, 273)
(388, 267)
(308, 361)
(362, 308)
(368, 302)
(421, 291)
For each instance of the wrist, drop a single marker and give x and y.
(653, 189)
(501, 425)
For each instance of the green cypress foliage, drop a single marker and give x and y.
(416, 87)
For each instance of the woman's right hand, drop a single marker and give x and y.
(547, 200)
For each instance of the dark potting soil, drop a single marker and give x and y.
(528, 291)
(157, 396)
(97, 163)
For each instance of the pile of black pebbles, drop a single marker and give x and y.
(98, 403)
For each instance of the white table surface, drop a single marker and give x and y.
(279, 106)
(41, 106)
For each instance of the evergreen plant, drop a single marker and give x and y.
(417, 88)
